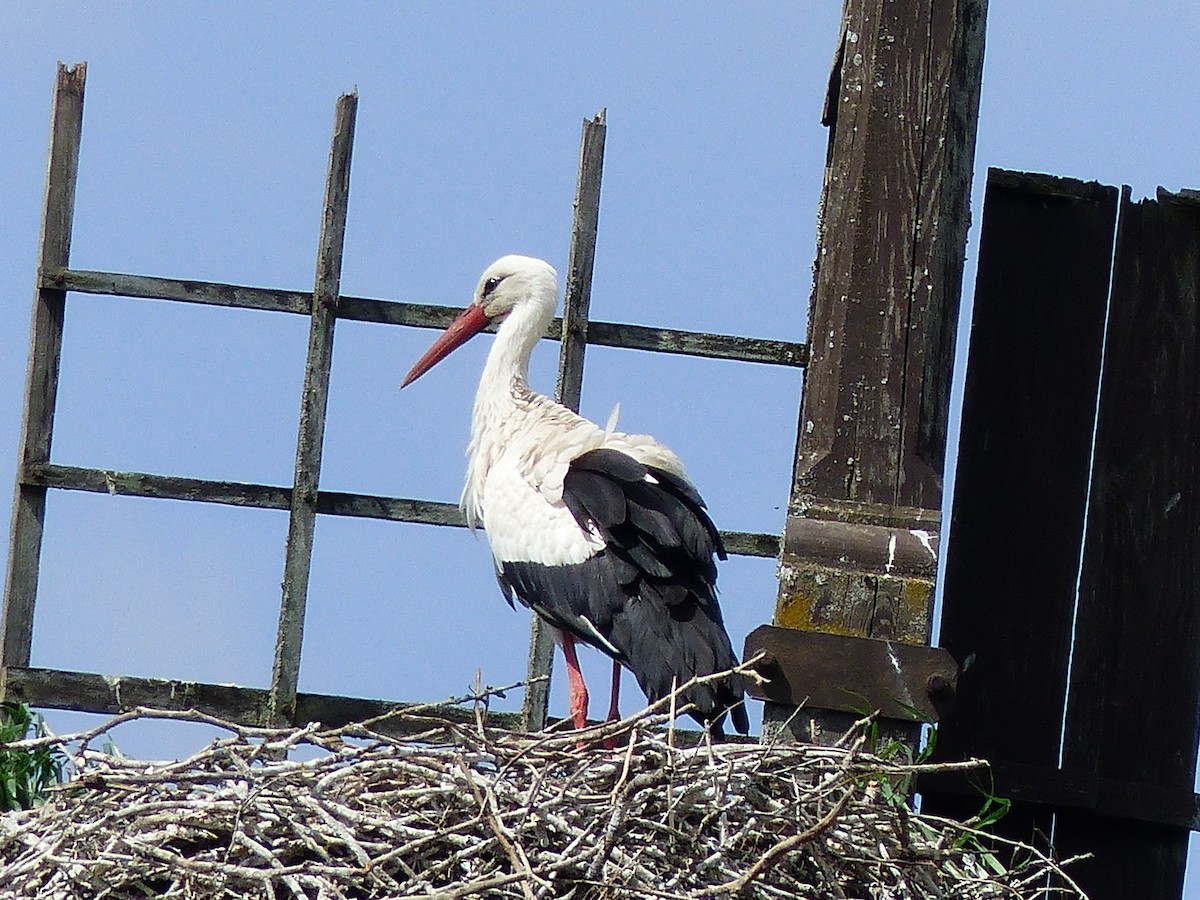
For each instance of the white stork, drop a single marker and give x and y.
(599, 532)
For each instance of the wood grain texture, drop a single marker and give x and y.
(891, 241)
(901, 110)
(41, 383)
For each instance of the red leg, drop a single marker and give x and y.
(579, 691)
(614, 709)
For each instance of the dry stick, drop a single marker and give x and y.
(418, 709)
(476, 887)
(620, 782)
(520, 862)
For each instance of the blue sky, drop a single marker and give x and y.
(206, 134)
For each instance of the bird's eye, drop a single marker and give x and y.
(490, 285)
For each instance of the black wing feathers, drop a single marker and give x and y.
(652, 591)
(600, 499)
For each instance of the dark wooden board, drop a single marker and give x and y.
(1135, 692)
(1021, 486)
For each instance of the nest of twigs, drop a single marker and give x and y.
(463, 811)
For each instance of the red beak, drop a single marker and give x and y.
(469, 323)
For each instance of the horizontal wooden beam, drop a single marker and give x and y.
(161, 487)
(422, 315)
(231, 493)
(850, 674)
(332, 503)
(749, 543)
(113, 694)
(873, 549)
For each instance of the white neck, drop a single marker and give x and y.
(506, 373)
(503, 387)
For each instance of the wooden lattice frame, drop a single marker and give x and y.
(280, 703)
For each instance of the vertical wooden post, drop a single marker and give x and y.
(902, 106)
(1133, 706)
(285, 673)
(45, 349)
(570, 371)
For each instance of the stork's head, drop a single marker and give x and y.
(511, 280)
(510, 283)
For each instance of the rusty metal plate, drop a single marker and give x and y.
(853, 674)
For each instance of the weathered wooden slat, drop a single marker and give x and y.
(285, 672)
(697, 343)
(45, 350)
(395, 509)
(161, 487)
(112, 694)
(150, 287)
(864, 548)
(581, 263)
(422, 315)
(1021, 484)
(749, 543)
(1134, 697)
(333, 503)
(574, 337)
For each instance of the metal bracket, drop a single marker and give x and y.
(853, 674)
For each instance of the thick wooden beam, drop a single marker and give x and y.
(570, 372)
(41, 384)
(285, 672)
(901, 108)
